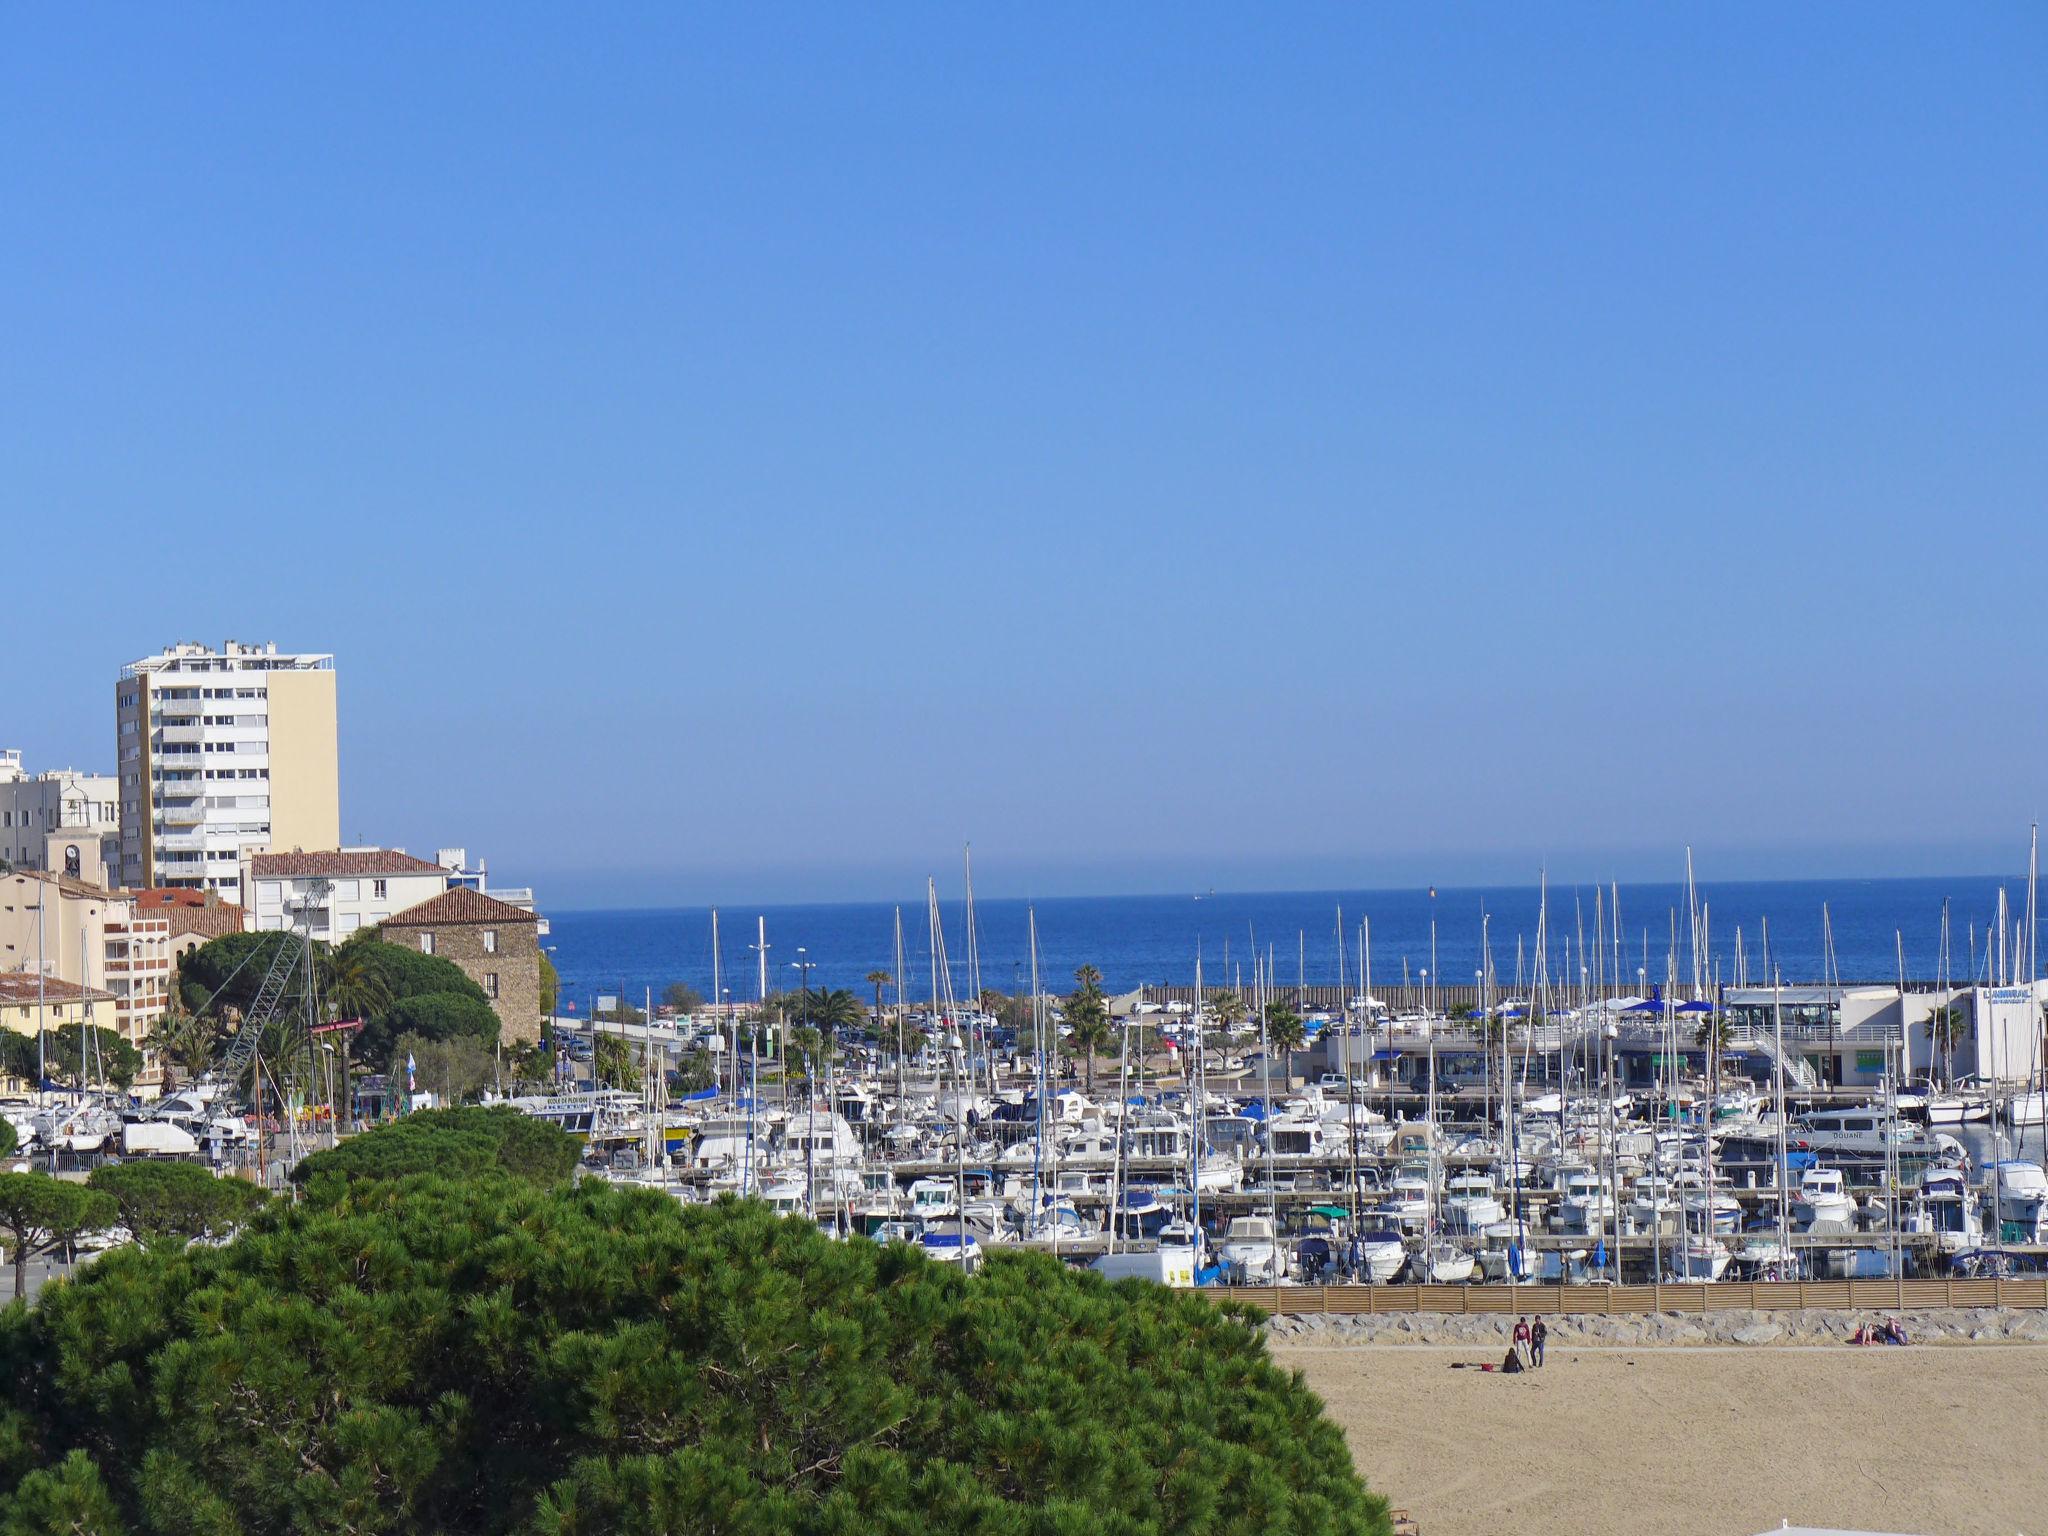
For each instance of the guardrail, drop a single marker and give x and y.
(1624, 1300)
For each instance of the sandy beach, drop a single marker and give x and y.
(1705, 1441)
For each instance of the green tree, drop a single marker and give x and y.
(830, 1010)
(39, 1215)
(693, 1074)
(812, 1048)
(183, 1043)
(550, 986)
(226, 973)
(479, 1355)
(455, 1067)
(1087, 1016)
(1461, 1013)
(359, 982)
(682, 997)
(172, 1201)
(89, 1056)
(1228, 1009)
(463, 1143)
(1286, 1033)
(8, 1140)
(616, 1063)
(1946, 1028)
(430, 1016)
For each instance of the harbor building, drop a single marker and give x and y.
(60, 819)
(338, 892)
(82, 935)
(1849, 1034)
(221, 754)
(496, 945)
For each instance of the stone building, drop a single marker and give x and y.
(496, 945)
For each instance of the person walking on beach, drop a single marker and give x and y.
(1522, 1337)
(1537, 1334)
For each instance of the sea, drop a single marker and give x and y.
(1155, 940)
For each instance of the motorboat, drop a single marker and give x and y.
(2020, 1192)
(1470, 1203)
(1381, 1253)
(1443, 1263)
(1250, 1249)
(1824, 1201)
(1694, 1257)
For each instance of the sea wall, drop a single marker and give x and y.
(1973, 1325)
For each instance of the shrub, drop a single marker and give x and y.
(492, 1355)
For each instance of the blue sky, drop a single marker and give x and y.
(744, 454)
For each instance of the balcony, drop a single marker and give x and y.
(183, 815)
(181, 842)
(180, 736)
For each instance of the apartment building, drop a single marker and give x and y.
(107, 942)
(221, 754)
(60, 819)
(336, 892)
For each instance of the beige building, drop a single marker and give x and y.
(85, 936)
(496, 945)
(223, 754)
(335, 892)
(61, 819)
(28, 1004)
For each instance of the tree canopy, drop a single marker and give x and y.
(393, 988)
(40, 1214)
(171, 1201)
(488, 1355)
(85, 1055)
(459, 1143)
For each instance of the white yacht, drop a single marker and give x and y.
(1824, 1200)
(1250, 1248)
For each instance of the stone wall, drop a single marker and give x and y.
(516, 967)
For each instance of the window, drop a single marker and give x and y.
(490, 941)
(491, 985)
(377, 890)
(427, 943)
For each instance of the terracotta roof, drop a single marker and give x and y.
(157, 896)
(458, 906)
(17, 987)
(347, 864)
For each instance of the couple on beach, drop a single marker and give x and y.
(1526, 1351)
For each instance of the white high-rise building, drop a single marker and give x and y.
(222, 754)
(61, 820)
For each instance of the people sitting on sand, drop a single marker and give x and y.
(1894, 1331)
(1513, 1364)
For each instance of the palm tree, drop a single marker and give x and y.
(1945, 1030)
(878, 980)
(1285, 1029)
(1228, 1008)
(1087, 1013)
(833, 1010)
(356, 987)
(181, 1040)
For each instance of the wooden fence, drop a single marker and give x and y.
(1726, 1296)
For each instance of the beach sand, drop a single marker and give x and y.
(1713, 1441)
